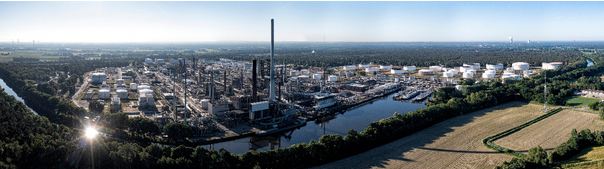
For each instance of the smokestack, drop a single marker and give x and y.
(254, 80)
(226, 91)
(272, 86)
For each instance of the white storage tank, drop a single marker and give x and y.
(454, 71)
(121, 93)
(149, 61)
(465, 68)
(363, 66)
(497, 66)
(133, 86)
(551, 65)
(397, 71)
(104, 94)
(370, 69)
(385, 66)
(99, 77)
(204, 104)
(472, 71)
(520, 66)
(488, 75)
(490, 71)
(425, 72)
(468, 75)
(409, 68)
(159, 61)
(436, 68)
(333, 78)
(349, 67)
(447, 74)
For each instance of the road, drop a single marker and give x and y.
(81, 103)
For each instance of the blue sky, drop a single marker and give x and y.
(300, 21)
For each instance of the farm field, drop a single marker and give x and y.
(579, 101)
(454, 143)
(591, 154)
(552, 131)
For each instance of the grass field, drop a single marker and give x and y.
(591, 154)
(454, 143)
(579, 101)
(552, 131)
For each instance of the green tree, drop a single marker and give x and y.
(117, 120)
(95, 106)
(178, 130)
(142, 125)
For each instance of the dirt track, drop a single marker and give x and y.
(454, 143)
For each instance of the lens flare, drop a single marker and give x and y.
(91, 132)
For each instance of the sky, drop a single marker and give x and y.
(301, 21)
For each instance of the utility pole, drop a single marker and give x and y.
(545, 92)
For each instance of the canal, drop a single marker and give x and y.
(10, 91)
(357, 119)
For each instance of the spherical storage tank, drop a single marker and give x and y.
(520, 66)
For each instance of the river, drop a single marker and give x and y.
(11, 92)
(357, 119)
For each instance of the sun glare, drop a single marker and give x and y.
(91, 132)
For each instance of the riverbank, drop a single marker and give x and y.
(11, 92)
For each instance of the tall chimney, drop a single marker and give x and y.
(254, 80)
(272, 86)
(226, 91)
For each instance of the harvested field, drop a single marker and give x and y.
(552, 131)
(454, 143)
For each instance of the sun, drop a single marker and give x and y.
(91, 132)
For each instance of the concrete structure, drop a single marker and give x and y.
(426, 72)
(205, 103)
(149, 61)
(551, 65)
(385, 66)
(98, 78)
(259, 110)
(409, 68)
(349, 67)
(219, 108)
(397, 71)
(520, 66)
(370, 69)
(333, 78)
(497, 66)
